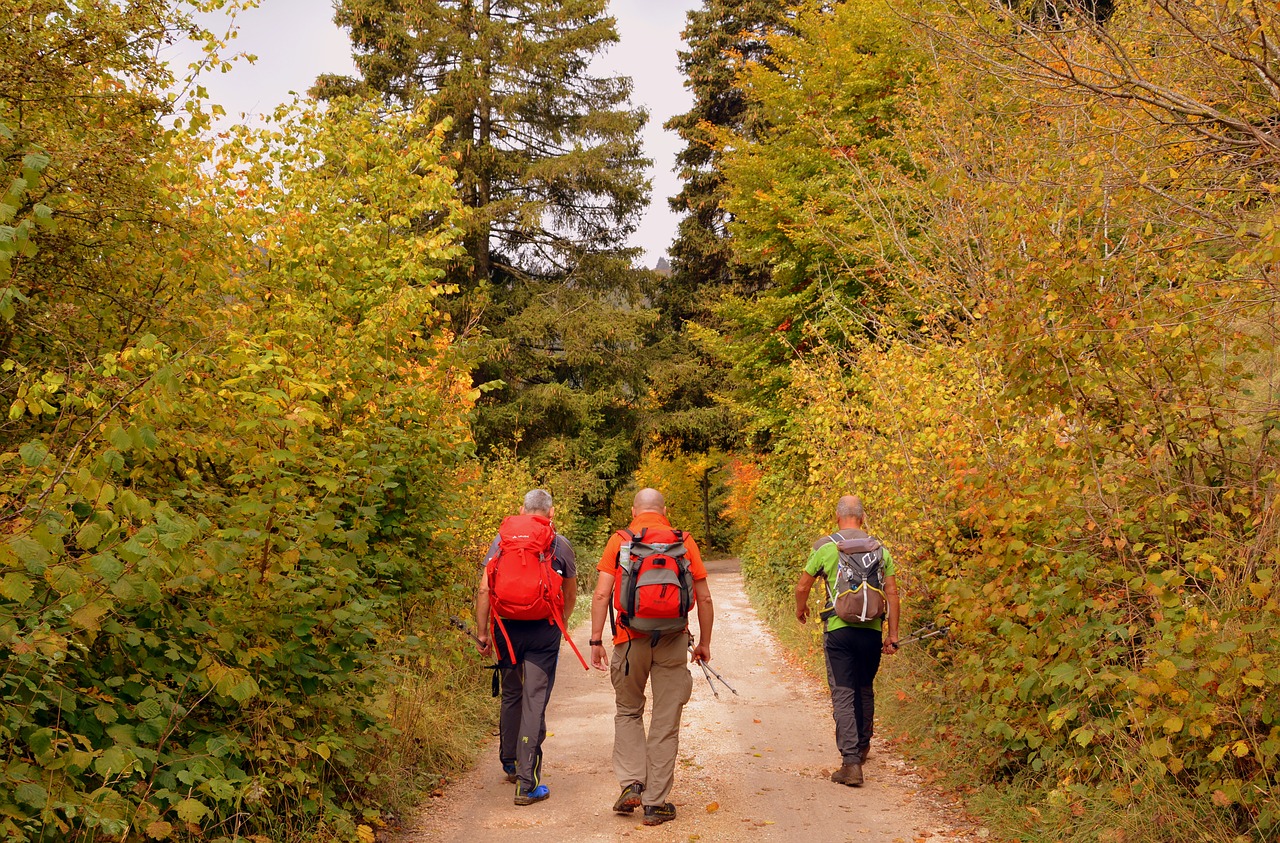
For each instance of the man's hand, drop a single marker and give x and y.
(599, 658)
(702, 653)
(890, 646)
(483, 644)
(803, 586)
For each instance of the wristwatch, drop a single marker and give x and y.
(596, 642)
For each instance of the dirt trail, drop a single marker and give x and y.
(751, 767)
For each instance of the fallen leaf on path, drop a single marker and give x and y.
(712, 807)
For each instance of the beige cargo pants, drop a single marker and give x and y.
(649, 759)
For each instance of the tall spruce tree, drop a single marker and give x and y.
(549, 161)
(721, 38)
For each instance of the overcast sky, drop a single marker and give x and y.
(296, 40)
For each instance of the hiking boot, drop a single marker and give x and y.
(659, 814)
(536, 795)
(509, 767)
(849, 774)
(629, 799)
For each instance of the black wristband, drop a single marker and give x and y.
(596, 642)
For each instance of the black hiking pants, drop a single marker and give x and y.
(526, 689)
(853, 659)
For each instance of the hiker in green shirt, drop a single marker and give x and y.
(861, 590)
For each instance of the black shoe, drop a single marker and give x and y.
(629, 799)
(659, 814)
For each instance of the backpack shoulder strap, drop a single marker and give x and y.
(834, 538)
(831, 539)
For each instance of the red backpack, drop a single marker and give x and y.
(654, 590)
(523, 586)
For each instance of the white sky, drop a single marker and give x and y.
(296, 40)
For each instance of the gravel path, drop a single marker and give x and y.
(752, 766)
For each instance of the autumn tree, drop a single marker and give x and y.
(826, 103)
(686, 384)
(722, 39)
(86, 285)
(1052, 268)
(549, 162)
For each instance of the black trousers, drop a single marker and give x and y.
(526, 690)
(853, 659)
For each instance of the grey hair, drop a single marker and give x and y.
(850, 506)
(537, 500)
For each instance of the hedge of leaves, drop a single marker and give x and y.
(214, 539)
(1044, 351)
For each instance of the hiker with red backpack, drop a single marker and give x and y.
(862, 596)
(650, 576)
(527, 589)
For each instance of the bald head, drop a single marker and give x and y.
(849, 512)
(649, 500)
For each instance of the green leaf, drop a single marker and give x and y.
(119, 437)
(107, 566)
(30, 551)
(16, 587)
(114, 760)
(191, 810)
(33, 453)
(43, 215)
(31, 794)
(148, 709)
(89, 536)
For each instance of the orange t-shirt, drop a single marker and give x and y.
(608, 563)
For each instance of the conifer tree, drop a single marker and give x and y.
(721, 37)
(549, 161)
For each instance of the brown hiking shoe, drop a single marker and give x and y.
(849, 774)
(659, 814)
(629, 799)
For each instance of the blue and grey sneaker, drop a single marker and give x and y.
(509, 767)
(536, 795)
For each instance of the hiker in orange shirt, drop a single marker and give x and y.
(663, 578)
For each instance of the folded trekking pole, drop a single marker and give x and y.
(712, 671)
(458, 623)
(709, 671)
(924, 632)
(707, 674)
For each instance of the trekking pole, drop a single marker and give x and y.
(706, 674)
(710, 684)
(922, 635)
(458, 623)
(706, 666)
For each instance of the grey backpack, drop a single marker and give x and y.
(858, 592)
